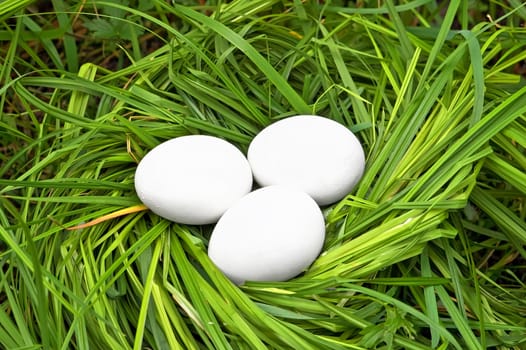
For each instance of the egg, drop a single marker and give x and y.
(271, 234)
(192, 179)
(314, 154)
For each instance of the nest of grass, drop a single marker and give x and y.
(427, 252)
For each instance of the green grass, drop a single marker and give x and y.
(428, 251)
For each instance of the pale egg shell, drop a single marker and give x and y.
(193, 179)
(271, 234)
(312, 153)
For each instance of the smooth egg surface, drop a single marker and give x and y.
(193, 179)
(314, 154)
(271, 234)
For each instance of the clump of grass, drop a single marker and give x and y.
(427, 252)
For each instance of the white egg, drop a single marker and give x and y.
(314, 154)
(271, 234)
(193, 179)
